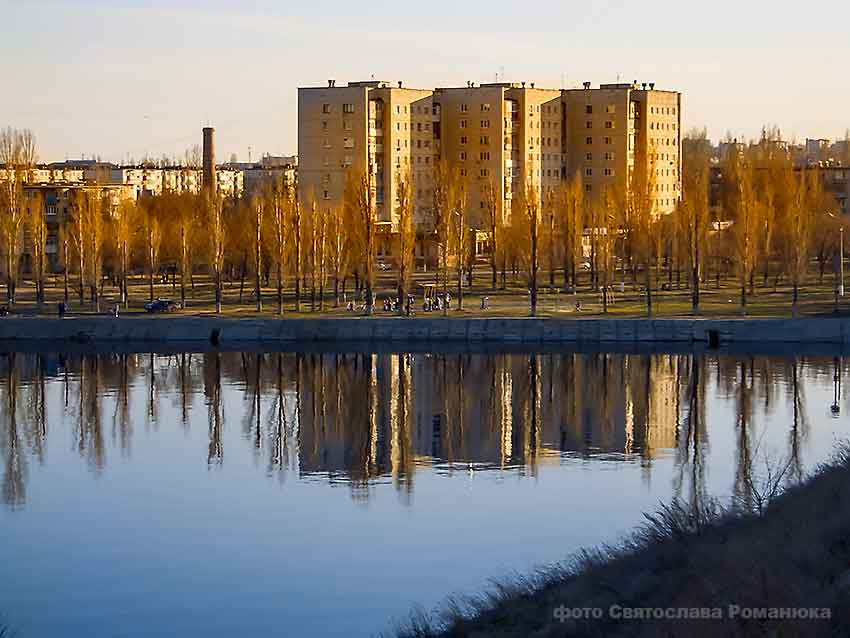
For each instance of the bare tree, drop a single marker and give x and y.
(640, 216)
(18, 155)
(215, 226)
(530, 202)
(694, 208)
(338, 250)
(406, 236)
(153, 242)
(258, 213)
(123, 230)
(188, 213)
(806, 196)
(37, 226)
(295, 225)
(495, 224)
(440, 212)
(281, 199)
(458, 190)
(570, 211)
(741, 174)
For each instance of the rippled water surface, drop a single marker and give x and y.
(323, 494)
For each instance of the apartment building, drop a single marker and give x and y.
(497, 134)
(618, 128)
(142, 180)
(503, 136)
(365, 128)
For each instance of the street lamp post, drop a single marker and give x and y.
(841, 261)
(840, 287)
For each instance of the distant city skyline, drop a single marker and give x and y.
(130, 79)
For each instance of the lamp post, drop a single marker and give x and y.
(840, 253)
(841, 261)
(835, 408)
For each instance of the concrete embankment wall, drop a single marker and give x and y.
(217, 331)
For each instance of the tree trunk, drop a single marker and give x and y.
(218, 291)
(279, 289)
(695, 290)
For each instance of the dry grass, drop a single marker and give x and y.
(796, 553)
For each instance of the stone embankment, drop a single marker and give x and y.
(229, 332)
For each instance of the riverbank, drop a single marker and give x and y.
(753, 574)
(219, 331)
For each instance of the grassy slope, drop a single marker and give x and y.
(796, 554)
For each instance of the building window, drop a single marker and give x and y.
(609, 124)
(326, 108)
(607, 140)
(588, 157)
(485, 107)
(610, 108)
(324, 125)
(588, 140)
(463, 123)
(485, 123)
(609, 172)
(348, 142)
(326, 194)
(484, 156)
(588, 124)
(485, 140)
(589, 109)
(348, 108)
(464, 108)
(588, 172)
(463, 139)
(462, 156)
(346, 124)
(609, 156)
(587, 188)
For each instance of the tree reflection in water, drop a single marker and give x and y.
(358, 418)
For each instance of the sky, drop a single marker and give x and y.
(122, 79)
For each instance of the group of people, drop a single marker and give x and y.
(389, 304)
(437, 302)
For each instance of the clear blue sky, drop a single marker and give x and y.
(123, 78)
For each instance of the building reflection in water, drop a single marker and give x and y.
(365, 418)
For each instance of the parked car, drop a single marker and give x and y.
(162, 305)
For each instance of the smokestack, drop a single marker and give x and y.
(209, 159)
(652, 86)
(586, 86)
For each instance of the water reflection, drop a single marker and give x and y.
(367, 418)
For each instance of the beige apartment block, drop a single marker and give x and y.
(612, 130)
(365, 127)
(496, 135)
(500, 135)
